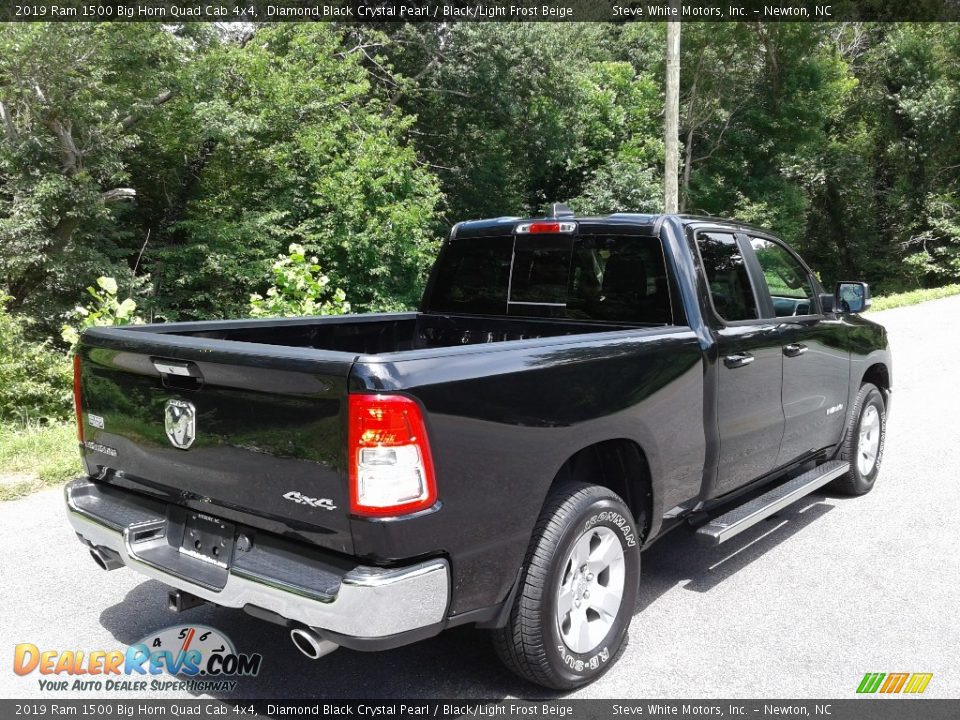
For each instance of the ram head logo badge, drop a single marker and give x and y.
(180, 422)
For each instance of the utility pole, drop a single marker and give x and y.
(671, 112)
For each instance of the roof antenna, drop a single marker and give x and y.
(561, 210)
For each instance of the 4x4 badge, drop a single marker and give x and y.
(294, 496)
(180, 422)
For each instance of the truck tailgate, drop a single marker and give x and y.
(251, 433)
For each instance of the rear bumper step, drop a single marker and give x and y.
(734, 522)
(354, 601)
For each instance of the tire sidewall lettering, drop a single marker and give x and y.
(575, 662)
(614, 520)
(883, 437)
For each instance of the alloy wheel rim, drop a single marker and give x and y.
(591, 589)
(868, 446)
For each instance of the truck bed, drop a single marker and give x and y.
(269, 399)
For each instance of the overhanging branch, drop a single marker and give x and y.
(118, 195)
(134, 117)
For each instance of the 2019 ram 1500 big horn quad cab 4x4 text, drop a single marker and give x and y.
(570, 389)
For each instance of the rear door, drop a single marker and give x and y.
(749, 368)
(248, 432)
(816, 363)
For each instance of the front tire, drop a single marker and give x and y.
(864, 442)
(577, 592)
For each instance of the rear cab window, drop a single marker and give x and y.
(473, 277)
(619, 279)
(731, 292)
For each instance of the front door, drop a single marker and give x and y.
(816, 365)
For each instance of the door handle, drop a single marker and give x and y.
(794, 349)
(738, 360)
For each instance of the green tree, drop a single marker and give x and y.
(514, 116)
(72, 102)
(301, 151)
(915, 73)
(182, 159)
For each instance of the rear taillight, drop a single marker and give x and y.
(76, 396)
(391, 470)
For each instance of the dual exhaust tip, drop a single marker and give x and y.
(305, 639)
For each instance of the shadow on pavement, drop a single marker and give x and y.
(679, 557)
(459, 663)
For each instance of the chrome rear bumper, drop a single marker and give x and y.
(362, 602)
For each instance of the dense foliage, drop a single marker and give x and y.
(34, 378)
(183, 160)
(841, 137)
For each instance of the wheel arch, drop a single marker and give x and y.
(878, 374)
(874, 367)
(620, 465)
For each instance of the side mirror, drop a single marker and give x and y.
(851, 297)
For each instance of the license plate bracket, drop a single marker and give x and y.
(208, 539)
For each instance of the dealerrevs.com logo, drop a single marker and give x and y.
(202, 657)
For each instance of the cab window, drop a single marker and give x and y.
(618, 279)
(730, 289)
(789, 283)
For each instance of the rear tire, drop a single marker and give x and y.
(578, 589)
(864, 442)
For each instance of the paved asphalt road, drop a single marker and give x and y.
(800, 606)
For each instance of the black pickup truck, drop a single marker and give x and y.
(570, 389)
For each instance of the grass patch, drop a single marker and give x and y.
(912, 297)
(37, 456)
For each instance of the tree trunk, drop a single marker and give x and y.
(62, 233)
(8, 125)
(672, 114)
(836, 214)
(687, 162)
(69, 154)
(688, 145)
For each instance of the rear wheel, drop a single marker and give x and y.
(864, 442)
(578, 589)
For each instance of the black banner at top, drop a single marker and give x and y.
(174, 11)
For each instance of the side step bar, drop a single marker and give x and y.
(734, 522)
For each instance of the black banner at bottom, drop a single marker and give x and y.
(848, 709)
